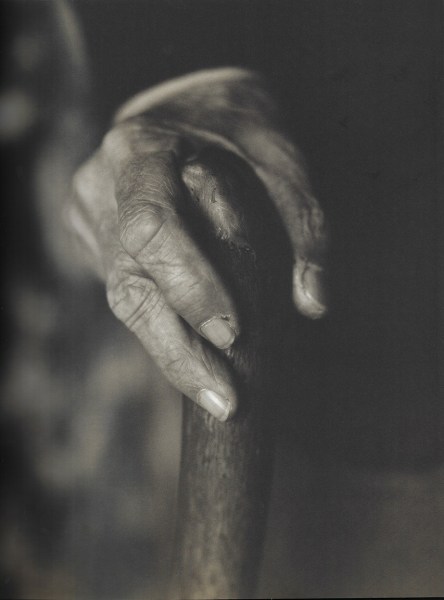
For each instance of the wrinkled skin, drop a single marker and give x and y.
(128, 212)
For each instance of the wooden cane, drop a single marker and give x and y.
(225, 474)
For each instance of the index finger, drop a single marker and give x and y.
(150, 195)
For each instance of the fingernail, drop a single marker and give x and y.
(313, 282)
(310, 289)
(219, 332)
(215, 404)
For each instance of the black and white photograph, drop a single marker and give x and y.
(222, 300)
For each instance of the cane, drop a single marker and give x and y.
(226, 468)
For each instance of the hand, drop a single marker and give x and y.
(130, 210)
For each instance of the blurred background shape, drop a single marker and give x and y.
(90, 432)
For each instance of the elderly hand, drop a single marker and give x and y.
(129, 209)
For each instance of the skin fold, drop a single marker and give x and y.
(129, 211)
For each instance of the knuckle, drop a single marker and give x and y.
(140, 225)
(179, 364)
(133, 299)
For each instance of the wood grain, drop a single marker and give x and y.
(226, 467)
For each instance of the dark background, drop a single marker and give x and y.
(360, 87)
(359, 84)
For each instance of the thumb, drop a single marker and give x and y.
(309, 289)
(309, 235)
(307, 230)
